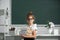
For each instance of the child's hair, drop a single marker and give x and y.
(30, 14)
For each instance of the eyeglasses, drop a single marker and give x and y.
(30, 18)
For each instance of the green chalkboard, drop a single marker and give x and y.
(44, 10)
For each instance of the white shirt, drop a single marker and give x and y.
(27, 30)
(31, 28)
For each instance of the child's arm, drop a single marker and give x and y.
(31, 36)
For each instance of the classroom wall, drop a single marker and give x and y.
(4, 4)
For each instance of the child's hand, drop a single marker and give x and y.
(22, 35)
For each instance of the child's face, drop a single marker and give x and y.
(30, 20)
